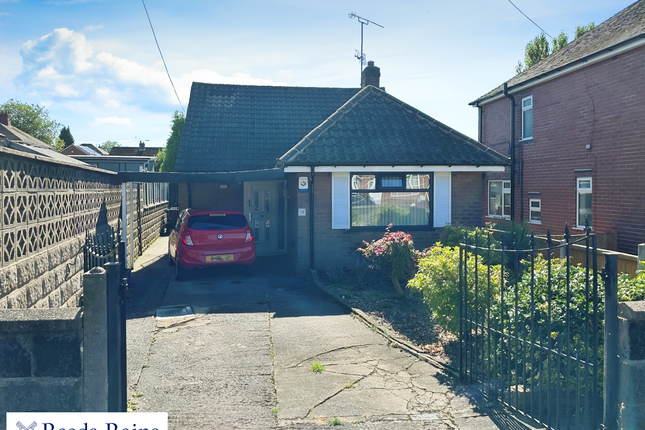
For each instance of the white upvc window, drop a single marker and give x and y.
(527, 118)
(535, 211)
(499, 199)
(584, 187)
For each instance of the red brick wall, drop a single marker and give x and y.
(602, 105)
(466, 198)
(337, 248)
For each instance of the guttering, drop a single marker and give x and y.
(556, 72)
(512, 150)
(382, 168)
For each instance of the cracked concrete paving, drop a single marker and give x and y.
(244, 361)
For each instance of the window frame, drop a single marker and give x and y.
(538, 209)
(397, 191)
(526, 109)
(580, 191)
(503, 181)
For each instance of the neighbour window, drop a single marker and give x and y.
(402, 199)
(535, 211)
(584, 188)
(499, 199)
(527, 117)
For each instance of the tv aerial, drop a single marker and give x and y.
(364, 22)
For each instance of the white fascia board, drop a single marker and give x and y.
(567, 69)
(328, 169)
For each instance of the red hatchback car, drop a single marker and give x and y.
(210, 238)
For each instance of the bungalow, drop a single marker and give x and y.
(318, 170)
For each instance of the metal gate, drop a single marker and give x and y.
(531, 327)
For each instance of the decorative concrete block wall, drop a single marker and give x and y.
(41, 364)
(46, 207)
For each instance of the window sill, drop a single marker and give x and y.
(535, 222)
(526, 141)
(498, 216)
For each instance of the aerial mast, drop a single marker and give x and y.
(363, 21)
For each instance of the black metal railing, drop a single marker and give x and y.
(531, 328)
(100, 248)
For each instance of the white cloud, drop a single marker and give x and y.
(112, 120)
(93, 27)
(61, 66)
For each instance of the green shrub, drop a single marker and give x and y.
(438, 280)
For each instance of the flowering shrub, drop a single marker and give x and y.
(393, 255)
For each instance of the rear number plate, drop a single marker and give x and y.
(224, 257)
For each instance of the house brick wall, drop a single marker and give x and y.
(210, 195)
(337, 248)
(466, 198)
(601, 105)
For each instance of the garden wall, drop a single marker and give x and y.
(46, 208)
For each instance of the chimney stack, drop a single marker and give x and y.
(5, 118)
(370, 75)
(142, 145)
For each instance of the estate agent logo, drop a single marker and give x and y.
(88, 420)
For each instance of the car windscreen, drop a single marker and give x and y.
(216, 221)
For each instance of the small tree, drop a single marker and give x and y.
(108, 145)
(393, 255)
(172, 144)
(66, 136)
(580, 30)
(32, 119)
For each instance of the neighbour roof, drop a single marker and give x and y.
(376, 128)
(14, 138)
(242, 127)
(131, 151)
(80, 150)
(622, 27)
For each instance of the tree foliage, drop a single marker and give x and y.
(580, 30)
(59, 145)
(32, 119)
(172, 144)
(108, 145)
(538, 49)
(66, 136)
(161, 156)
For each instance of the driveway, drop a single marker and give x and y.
(244, 359)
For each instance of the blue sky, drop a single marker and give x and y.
(95, 66)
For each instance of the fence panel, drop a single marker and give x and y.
(531, 328)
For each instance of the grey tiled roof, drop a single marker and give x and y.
(622, 27)
(242, 127)
(375, 128)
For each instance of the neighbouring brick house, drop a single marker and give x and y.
(318, 170)
(578, 135)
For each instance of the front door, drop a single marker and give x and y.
(265, 210)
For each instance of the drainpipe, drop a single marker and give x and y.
(311, 219)
(512, 150)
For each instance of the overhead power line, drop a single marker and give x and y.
(162, 59)
(530, 19)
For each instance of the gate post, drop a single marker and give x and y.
(641, 256)
(610, 377)
(117, 391)
(95, 341)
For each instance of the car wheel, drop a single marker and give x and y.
(180, 272)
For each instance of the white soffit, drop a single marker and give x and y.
(327, 169)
